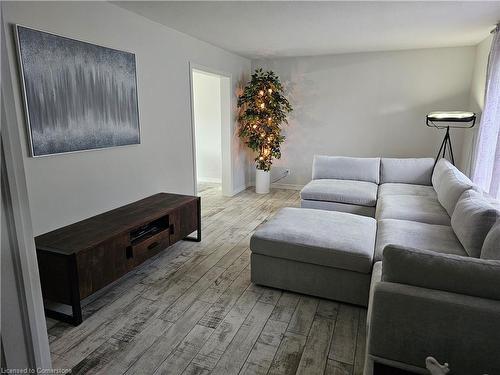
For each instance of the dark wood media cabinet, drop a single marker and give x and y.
(78, 260)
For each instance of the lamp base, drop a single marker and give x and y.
(446, 145)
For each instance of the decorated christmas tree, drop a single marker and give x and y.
(264, 109)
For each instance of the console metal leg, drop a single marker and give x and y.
(198, 231)
(75, 319)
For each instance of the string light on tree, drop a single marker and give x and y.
(264, 109)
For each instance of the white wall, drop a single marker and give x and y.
(67, 188)
(479, 75)
(478, 86)
(369, 104)
(207, 119)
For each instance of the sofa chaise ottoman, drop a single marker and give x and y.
(321, 253)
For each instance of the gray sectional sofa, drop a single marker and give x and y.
(419, 245)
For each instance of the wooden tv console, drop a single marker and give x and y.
(77, 260)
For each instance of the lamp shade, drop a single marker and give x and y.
(453, 117)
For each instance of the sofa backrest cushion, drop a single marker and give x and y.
(471, 221)
(449, 184)
(346, 168)
(417, 171)
(491, 245)
(451, 273)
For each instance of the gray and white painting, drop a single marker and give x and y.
(79, 96)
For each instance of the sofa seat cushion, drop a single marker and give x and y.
(438, 238)
(411, 207)
(406, 189)
(327, 238)
(336, 206)
(343, 191)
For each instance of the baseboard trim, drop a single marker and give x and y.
(278, 185)
(239, 189)
(209, 180)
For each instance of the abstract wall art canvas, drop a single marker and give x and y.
(78, 96)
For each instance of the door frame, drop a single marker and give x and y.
(19, 226)
(226, 128)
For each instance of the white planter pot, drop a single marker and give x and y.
(262, 181)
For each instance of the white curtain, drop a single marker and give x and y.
(486, 164)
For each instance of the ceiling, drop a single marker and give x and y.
(259, 29)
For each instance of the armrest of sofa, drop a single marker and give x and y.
(409, 323)
(451, 273)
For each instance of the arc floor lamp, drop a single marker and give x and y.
(447, 120)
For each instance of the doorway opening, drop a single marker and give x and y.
(211, 131)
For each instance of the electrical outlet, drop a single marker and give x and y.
(283, 172)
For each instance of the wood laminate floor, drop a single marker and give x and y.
(193, 310)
